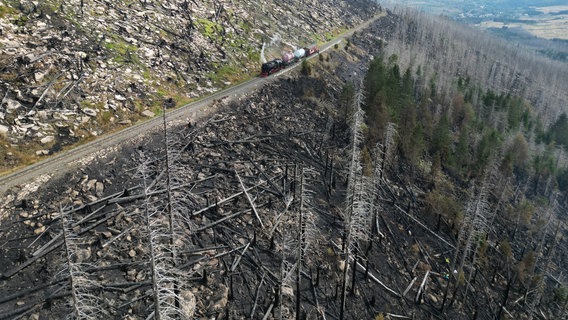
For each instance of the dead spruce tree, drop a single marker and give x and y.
(305, 233)
(545, 265)
(85, 298)
(298, 238)
(473, 226)
(385, 152)
(165, 235)
(359, 200)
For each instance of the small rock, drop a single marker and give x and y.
(90, 184)
(188, 304)
(99, 189)
(20, 303)
(119, 97)
(148, 113)
(222, 297)
(48, 139)
(83, 254)
(107, 234)
(149, 53)
(132, 253)
(19, 129)
(131, 273)
(127, 121)
(433, 298)
(287, 291)
(42, 114)
(141, 276)
(38, 76)
(341, 264)
(90, 112)
(109, 104)
(42, 152)
(213, 262)
(12, 105)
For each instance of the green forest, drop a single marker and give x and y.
(457, 137)
(484, 147)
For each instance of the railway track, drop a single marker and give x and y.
(61, 162)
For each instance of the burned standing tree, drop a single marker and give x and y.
(385, 152)
(359, 201)
(473, 226)
(85, 299)
(164, 235)
(298, 238)
(383, 155)
(545, 266)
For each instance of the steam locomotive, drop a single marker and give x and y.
(287, 59)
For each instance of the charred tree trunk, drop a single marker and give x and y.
(506, 296)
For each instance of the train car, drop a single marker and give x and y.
(271, 67)
(287, 58)
(313, 49)
(299, 54)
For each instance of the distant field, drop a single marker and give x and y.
(541, 25)
(552, 9)
(543, 21)
(551, 24)
(546, 26)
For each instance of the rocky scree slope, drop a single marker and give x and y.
(72, 70)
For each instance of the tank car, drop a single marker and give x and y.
(299, 54)
(287, 58)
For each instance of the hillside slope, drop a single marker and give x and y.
(72, 70)
(284, 203)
